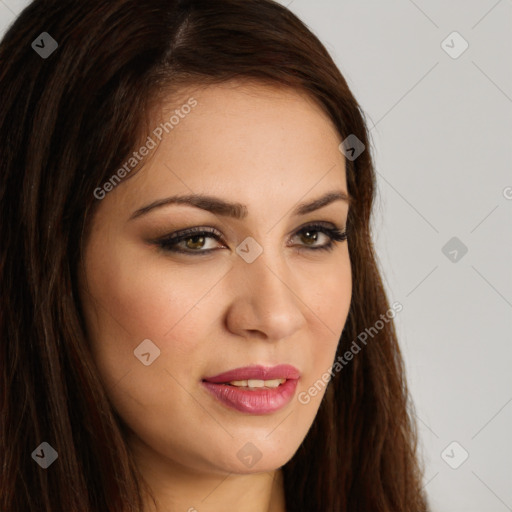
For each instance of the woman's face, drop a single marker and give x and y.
(160, 321)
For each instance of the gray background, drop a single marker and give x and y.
(441, 131)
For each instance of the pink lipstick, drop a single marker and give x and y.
(254, 389)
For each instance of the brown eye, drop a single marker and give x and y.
(309, 236)
(191, 241)
(197, 242)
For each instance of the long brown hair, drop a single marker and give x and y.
(67, 123)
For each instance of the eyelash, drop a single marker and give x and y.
(170, 242)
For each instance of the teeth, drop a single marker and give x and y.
(238, 383)
(274, 383)
(256, 383)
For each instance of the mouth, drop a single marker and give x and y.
(255, 384)
(254, 389)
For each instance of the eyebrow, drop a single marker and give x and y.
(219, 206)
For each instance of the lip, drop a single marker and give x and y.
(281, 371)
(257, 401)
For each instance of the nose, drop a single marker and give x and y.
(266, 301)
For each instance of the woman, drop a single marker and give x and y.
(188, 277)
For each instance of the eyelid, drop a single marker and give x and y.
(323, 223)
(190, 232)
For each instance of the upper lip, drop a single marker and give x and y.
(257, 372)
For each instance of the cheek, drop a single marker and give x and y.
(332, 296)
(148, 296)
(330, 304)
(137, 302)
(329, 295)
(139, 297)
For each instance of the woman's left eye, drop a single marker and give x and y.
(195, 239)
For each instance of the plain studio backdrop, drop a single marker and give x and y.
(434, 80)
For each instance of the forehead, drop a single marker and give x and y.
(257, 143)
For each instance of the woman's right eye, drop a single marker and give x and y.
(194, 238)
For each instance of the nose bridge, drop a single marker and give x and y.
(266, 300)
(268, 274)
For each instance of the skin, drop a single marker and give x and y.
(269, 149)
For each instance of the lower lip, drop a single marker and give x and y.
(259, 401)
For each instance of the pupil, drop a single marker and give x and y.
(195, 238)
(311, 240)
